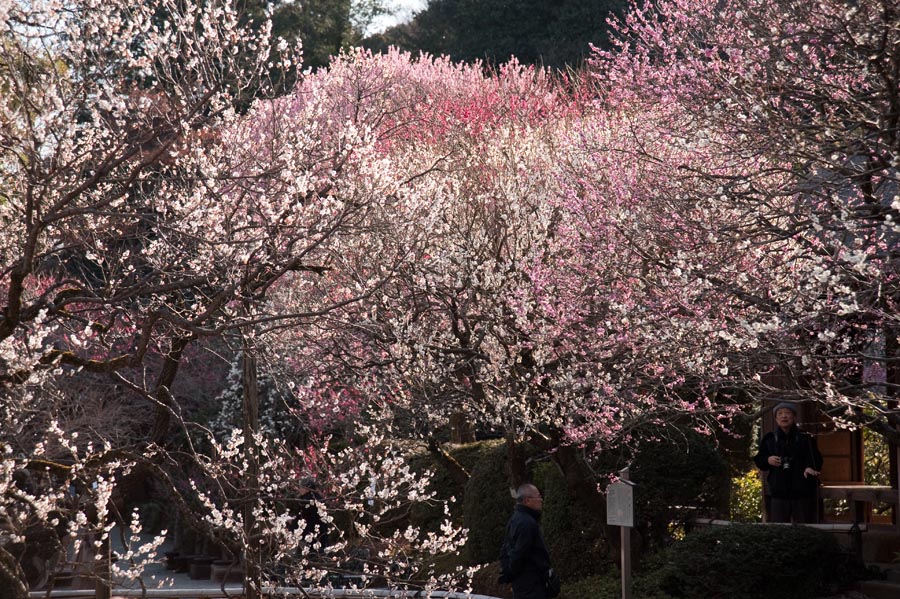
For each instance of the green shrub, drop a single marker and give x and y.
(746, 497)
(576, 539)
(487, 505)
(596, 587)
(877, 458)
(609, 586)
(573, 534)
(677, 474)
(748, 561)
(430, 515)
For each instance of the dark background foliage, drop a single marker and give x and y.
(552, 33)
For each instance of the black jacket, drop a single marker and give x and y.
(524, 558)
(314, 527)
(799, 450)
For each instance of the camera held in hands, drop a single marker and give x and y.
(786, 463)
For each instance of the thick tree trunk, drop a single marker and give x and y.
(252, 574)
(581, 484)
(163, 394)
(892, 378)
(515, 457)
(579, 481)
(12, 578)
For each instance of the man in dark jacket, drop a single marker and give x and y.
(524, 559)
(793, 462)
(308, 502)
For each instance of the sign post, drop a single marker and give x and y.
(620, 512)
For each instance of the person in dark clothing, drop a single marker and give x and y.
(793, 461)
(524, 560)
(314, 528)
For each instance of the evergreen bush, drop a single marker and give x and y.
(609, 586)
(679, 474)
(430, 515)
(746, 497)
(748, 561)
(487, 505)
(574, 536)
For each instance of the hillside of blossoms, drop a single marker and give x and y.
(702, 216)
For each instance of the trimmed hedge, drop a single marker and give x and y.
(677, 473)
(430, 516)
(645, 585)
(574, 536)
(575, 540)
(487, 505)
(749, 561)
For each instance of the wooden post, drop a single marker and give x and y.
(626, 550)
(102, 586)
(896, 509)
(252, 574)
(620, 512)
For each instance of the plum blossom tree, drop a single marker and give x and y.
(142, 212)
(97, 100)
(100, 106)
(787, 184)
(401, 240)
(506, 307)
(428, 328)
(630, 324)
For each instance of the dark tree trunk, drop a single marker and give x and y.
(515, 456)
(12, 579)
(163, 393)
(252, 574)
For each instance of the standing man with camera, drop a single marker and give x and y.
(793, 462)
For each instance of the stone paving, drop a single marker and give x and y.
(155, 575)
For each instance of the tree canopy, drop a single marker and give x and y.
(555, 34)
(323, 27)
